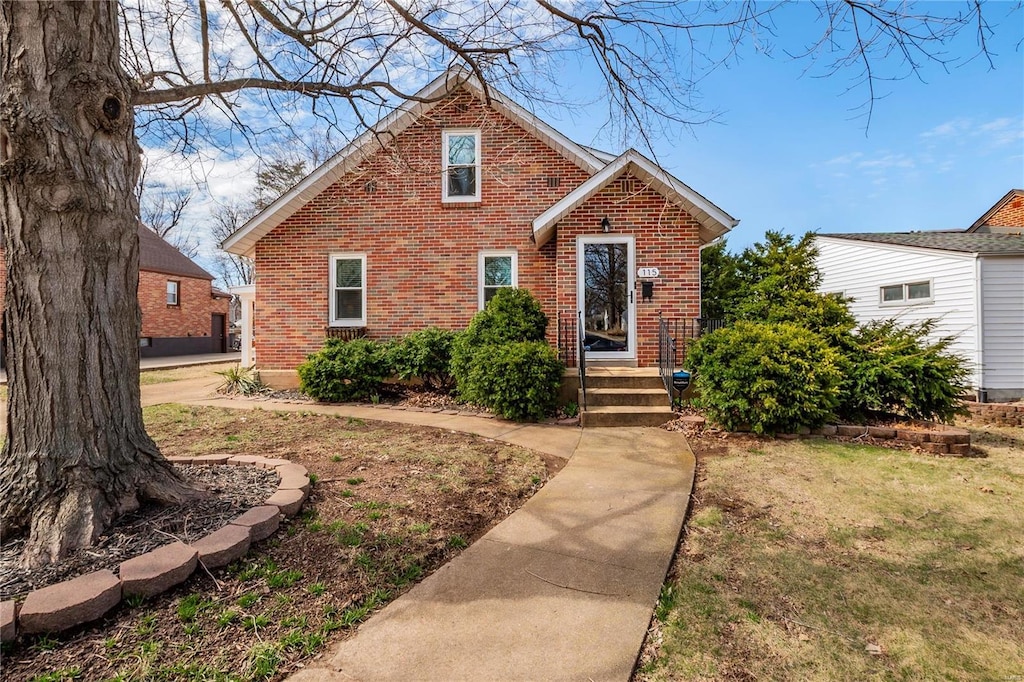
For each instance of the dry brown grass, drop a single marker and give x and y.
(817, 560)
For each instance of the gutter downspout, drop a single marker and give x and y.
(700, 273)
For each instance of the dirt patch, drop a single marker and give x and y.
(390, 504)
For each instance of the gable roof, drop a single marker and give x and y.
(1012, 194)
(714, 221)
(243, 241)
(156, 255)
(981, 243)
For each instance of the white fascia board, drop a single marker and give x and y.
(715, 221)
(901, 248)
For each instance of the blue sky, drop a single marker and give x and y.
(793, 151)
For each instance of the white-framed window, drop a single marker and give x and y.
(348, 290)
(909, 293)
(498, 269)
(173, 290)
(460, 163)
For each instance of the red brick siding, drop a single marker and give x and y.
(422, 255)
(191, 317)
(1010, 215)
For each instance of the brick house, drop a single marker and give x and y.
(454, 195)
(182, 314)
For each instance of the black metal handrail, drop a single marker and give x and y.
(674, 335)
(666, 354)
(581, 352)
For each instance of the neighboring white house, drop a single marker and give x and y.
(972, 282)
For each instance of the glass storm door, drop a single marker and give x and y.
(605, 296)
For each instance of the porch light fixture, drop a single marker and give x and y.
(606, 225)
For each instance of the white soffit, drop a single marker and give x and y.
(714, 221)
(243, 241)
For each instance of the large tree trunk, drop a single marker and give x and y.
(76, 454)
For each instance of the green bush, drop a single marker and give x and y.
(346, 370)
(770, 377)
(898, 369)
(513, 315)
(425, 354)
(518, 381)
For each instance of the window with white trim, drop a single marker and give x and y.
(348, 290)
(460, 163)
(173, 290)
(905, 294)
(498, 269)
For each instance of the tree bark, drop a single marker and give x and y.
(76, 454)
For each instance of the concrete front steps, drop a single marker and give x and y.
(625, 396)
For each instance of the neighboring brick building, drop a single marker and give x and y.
(1007, 215)
(419, 222)
(182, 314)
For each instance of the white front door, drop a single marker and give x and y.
(604, 269)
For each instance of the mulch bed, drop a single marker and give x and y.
(235, 488)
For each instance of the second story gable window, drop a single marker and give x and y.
(460, 162)
(173, 289)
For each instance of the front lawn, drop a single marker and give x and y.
(818, 560)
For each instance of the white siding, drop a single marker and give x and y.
(859, 269)
(1003, 326)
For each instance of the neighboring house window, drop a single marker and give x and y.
(461, 165)
(905, 294)
(348, 290)
(172, 292)
(498, 269)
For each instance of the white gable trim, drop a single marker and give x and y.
(243, 241)
(714, 221)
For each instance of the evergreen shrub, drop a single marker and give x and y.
(517, 381)
(898, 369)
(346, 370)
(425, 354)
(511, 316)
(769, 378)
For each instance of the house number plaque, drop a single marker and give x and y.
(647, 273)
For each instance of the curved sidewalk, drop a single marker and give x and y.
(563, 589)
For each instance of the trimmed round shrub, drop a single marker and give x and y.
(425, 354)
(769, 378)
(346, 370)
(512, 315)
(518, 381)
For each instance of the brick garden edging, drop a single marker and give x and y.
(939, 440)
(1001, 414)
(88, 597)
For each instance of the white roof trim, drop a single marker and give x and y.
(714, 221)
(243, 241)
